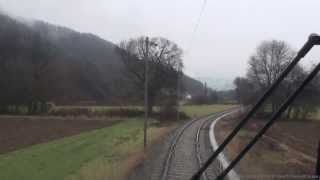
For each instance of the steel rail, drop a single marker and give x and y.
(172, 149)
(197, 144)
(176, 138)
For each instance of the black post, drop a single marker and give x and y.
(146, 101)
(318, 164)
(313, 40)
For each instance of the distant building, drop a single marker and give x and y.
(187, 96)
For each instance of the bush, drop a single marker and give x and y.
(168, 112)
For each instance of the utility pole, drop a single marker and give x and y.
(205, 90)
(178, 91)
(146, 95)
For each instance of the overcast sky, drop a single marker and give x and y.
(227, 35)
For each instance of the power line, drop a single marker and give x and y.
(179, 77)
(195, 29)
(197, 24)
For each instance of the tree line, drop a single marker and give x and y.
(264, 67)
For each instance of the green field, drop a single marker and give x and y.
(201, 110)
(190, 110)
(91, 155)
(316, 116)
(66, 157)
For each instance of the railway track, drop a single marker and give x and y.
(189, 148)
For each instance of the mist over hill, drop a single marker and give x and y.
(72, 66)
(219, 84)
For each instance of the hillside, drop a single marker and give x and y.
(73, 67)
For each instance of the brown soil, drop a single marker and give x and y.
(288, 148)
(20, 132)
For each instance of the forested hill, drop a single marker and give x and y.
(40, 60)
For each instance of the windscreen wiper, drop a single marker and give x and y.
(313, 40)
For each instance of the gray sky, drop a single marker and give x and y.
(228, 32)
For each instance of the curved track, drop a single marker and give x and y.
(190, 147)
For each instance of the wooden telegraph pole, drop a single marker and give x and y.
(146, 95)
(179, 78)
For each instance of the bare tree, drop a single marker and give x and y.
(164, 58)
(265, 66)
(269, 60)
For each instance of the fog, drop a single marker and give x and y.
(217, 44)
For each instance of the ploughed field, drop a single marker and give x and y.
(20, 132)
(289, 148)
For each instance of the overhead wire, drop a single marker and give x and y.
(197, 24)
